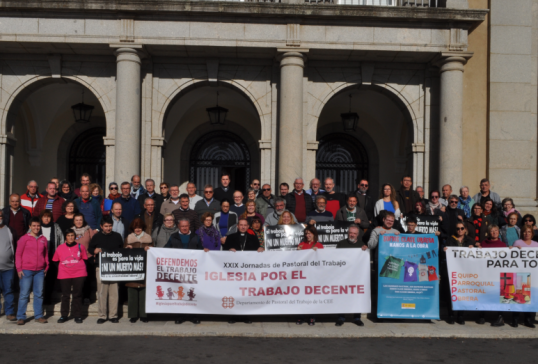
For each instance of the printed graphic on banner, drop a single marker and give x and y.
(288, 237)
(252, 283)
(408, 285)
(123, 265)
(496, 279)
(425, 224)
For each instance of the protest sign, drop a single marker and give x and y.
(408, 268)
(425, 224)
(288, 237)
(123, 265)
(251, 283)
(495, 279)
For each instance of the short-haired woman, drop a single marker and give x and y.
(55, 237)
(209, 235)
(69, 209)
(525, 242)
(162, 234)
(493, 241)
(71, 273)
(83, 235)
(257, 228)
(508, 208)
(97, 194)
(387, 201)
(510, 232)
(310, 242)
(136, 291)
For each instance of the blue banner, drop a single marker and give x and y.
(408, 276)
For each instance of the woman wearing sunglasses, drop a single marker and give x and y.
(529, 220)
(459, 239)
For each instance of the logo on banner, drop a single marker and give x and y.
(228, 302)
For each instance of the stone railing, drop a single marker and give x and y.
(416, 3)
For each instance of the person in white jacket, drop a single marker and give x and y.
(387, 201)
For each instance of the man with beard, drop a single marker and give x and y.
(280, 207)
(335, 200)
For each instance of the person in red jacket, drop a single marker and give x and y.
(51, 202)
(32, 263)
(310, 242)
(30, 198)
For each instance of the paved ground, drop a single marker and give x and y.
(95, 349)
(272, 327)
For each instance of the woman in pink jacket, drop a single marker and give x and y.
(32, 263)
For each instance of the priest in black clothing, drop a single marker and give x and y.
(225, 191)
(242, 240)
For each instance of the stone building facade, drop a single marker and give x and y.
(445, 90)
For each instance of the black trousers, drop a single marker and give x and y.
(77, 285)
(50, 282)
(90, 281)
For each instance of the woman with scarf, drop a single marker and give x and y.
(530, 221)
(69, 209)
(510, 232)
(466, 202)
(209, 235)
(66, 191)
(477, 225)
(83, 234)
(136, 291)
(52, 232)
(489, 209)
(256, 228)
(162, 234)
(508, 208)
(435, 207)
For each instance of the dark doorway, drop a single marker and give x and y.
(88, 155)
(216, 153)
(344, 159)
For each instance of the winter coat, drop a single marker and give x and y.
(56, 207)
(32, 253)
(175, 242)
(341, 215)
(232, 222)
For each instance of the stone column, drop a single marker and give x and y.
(128, 99)
(451, 118)
(290, 132)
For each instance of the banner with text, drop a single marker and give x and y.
(408, 285)
(496, 279)
(251, 283)
(288, 237)
(425, 224)
(123, 265)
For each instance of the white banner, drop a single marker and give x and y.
(496, 279)
(252, 283)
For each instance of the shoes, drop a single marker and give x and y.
(179, 322)
(528, 323)
(481, 321)
(115, 321)
(101, 321)
(339, 322)
(144, 319)
(312, 322)
(78, 320)
(133, 320)
(195, 321)
(11, 318)
(450, 320)
(41, 320)
(358, 322)
(231, 321)
(514, 323)
(87, 302)
(62, 319)
(20, 322)
(499, 322)
(299, 322)
(460, 320)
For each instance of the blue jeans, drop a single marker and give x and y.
(36, 279)
(6, 290)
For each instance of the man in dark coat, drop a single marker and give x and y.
(364, 199)
(452, 216)
(224, 191)
(406, 197)
(16, 217)
(150, 192)
(150, 216)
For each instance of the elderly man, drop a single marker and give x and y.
(298, 201)
(193, 197)
(352, 212)
(335, 200)
(30, 198)
(89, 207)
(150, 192)
(446, 191)
(7, 268)
(117, 219)
(52, 202)
(265, 201)
(130, 206)
(172, 203)
(224, 191)
(315, 189)
(280, 207)
(185, 212)
(136, 187)
(354, 240)
(238, 206)
(208, 203)
(319, 214)
(150, 216)
(17, 218)
(486, 192)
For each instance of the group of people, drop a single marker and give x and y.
(55, 237)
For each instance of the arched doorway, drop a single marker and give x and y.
(216, 153)
(344, 159)
(88, 155)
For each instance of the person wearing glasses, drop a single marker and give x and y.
(209, 235)
(509, 208)
(151, 217)
(335, 200)
(250, 212)
(530, 221)
(435, 207)
(315, 189)
(150, 193)
(256, 186)
(238, 206)
(364, 199)
(162, 234)
(459, 239)
(265, 203)
(225, 191)
(297, 203)
(30, 197)
(208, 203)
(173, 202)
(452, 216)
(164, 187)
(387, 201)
